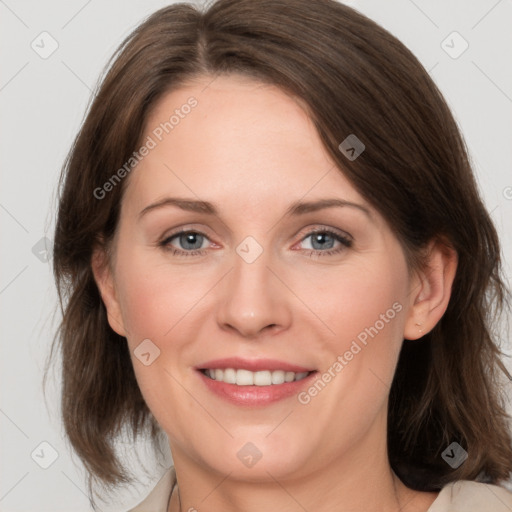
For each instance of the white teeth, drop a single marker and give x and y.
(248, 378)
(244, 378)
(263, 378)
(229, 376)
(277, 377)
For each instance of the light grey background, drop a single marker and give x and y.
(42, 104)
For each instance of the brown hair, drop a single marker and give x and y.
(355, 78)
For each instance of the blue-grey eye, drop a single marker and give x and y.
(187, 240)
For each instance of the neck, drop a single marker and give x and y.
(351, 481)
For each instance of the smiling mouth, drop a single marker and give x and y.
(247, 378)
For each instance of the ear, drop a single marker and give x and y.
(430, 290)
(104, 278)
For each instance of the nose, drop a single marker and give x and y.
(254, 300)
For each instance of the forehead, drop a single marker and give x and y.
(241, 137)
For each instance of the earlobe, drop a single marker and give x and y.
(106, 285)
(430, 291)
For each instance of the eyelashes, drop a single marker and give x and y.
(317, 235)
(320, 233)
(166, 243)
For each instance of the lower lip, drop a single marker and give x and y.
(255, 395)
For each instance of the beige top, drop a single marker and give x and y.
(461, 496)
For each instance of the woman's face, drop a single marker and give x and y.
(271, 278)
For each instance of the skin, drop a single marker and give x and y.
(251, 149)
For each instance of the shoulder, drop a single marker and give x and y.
(470, 496)
(158, 499)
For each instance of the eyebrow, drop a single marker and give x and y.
(295, 209)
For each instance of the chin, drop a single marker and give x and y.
(258, 458)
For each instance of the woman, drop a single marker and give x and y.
(270, 246)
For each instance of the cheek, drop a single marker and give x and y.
(355, 297)
(147, 312)
(155, 296)
(366, 311)
(364, 307)
(155, 300)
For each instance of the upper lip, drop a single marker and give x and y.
(253, 365)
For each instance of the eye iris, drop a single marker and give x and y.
(191, 238)
(320, 238)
